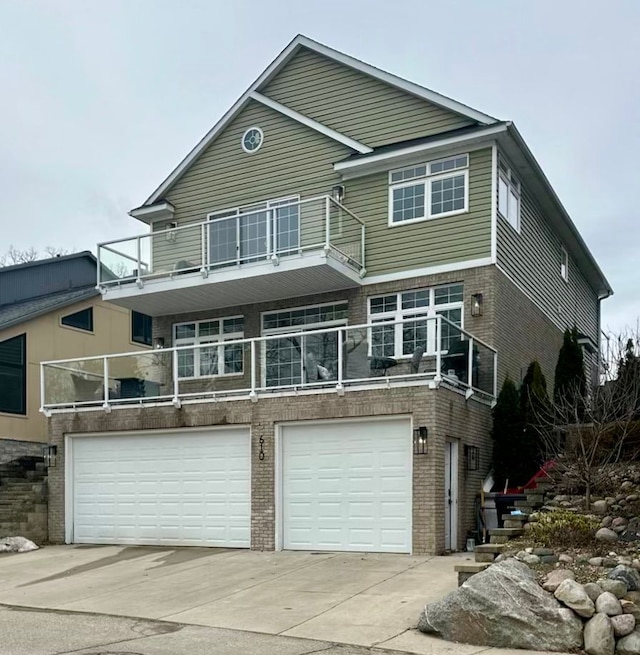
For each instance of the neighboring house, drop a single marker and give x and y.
(341, 274)
(50, 309)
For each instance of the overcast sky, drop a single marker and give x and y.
(100, 100)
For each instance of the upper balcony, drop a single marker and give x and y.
(280, 249)
(333, 360)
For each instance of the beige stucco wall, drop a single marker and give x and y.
(47, 339)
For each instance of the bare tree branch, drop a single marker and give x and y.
(16, 256)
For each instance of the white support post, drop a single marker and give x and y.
(204, 264)
(363, 265)
(99, 268)
(42, 388)
(495, 375)
(139, 263)
(105, 384)
(237, 240)
(176, 384)
(327, 224)
(470, 364)
(252, 394)
(340, 385)
(438, 376)
(270, 249)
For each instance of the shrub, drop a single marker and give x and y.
(564, 529)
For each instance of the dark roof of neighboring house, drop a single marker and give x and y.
(29, 309)
(48, 260)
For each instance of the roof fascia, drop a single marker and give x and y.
(394, 80)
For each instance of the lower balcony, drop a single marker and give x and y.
(336, 360)
(279, 249)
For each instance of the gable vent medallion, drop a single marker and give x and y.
(252, 139)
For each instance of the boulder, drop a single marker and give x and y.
(16, 545)
(606, 535)
(598, 636)
(629, 645)
(608, 604)
(628, 575)
(623, 625)
(565, 559)
(596, 561)
(617, 587)
(599, 507)
(553, 579)
(573, 595)
(504, 606)
(593, 590)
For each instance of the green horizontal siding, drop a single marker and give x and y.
(293, 160)
(532, 260)
(428, 243)
(356, 104)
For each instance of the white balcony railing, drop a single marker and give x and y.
(432, 351)
(275, 230)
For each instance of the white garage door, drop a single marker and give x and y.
(176, 489)
(347, 486)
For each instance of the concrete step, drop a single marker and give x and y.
(465, 571)
(495, 549)
(512, 517)
(506, 532)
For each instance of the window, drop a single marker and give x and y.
(252, 233)
(438, 188)
(215, 358)
(401, 340)
(286, 357)
(141, 328)
(508, 195)
(564, 264)
(82, 320)
(13, 375)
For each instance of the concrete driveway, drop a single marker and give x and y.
(353, 598)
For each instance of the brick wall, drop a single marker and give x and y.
(418, 402)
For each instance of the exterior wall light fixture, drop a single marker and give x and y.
(50, 455)
(472, 457)
(420, 440)
(476, 304)
(158, 343)
(337, 193)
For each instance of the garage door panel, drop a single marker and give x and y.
(163, 489)
(347, 485)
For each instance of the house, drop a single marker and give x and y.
(50, 309)
(341, 274)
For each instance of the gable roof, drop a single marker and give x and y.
(29, 309)
(42, 262)
(274, 68)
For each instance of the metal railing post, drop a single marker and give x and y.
(139, 256)
(362, 246)
(495, 375)
(99, 267)
(253, 369)
(470, 364)
(203, 239)
(105, 382)
(42, 390)
(438, 376)
(327, 223)
(174, 370)
(340, 337)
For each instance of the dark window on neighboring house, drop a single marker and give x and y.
(82, 320)
(141, 328)
(13, 375)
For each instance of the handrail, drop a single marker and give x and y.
(271, 337)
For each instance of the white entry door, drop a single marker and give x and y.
(451, 495)
(189, 488)
(346, 485)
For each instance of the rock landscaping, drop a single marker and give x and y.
(567, 578)
(16, 545)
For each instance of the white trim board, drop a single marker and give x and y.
(309, 122)
(429, 270)
(396, 158)
(274, 68)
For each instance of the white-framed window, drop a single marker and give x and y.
(431, 190)
(252, 139)
(508, 194)
(287, 357)
(564, 264)
(401, 340)
(215, 358)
